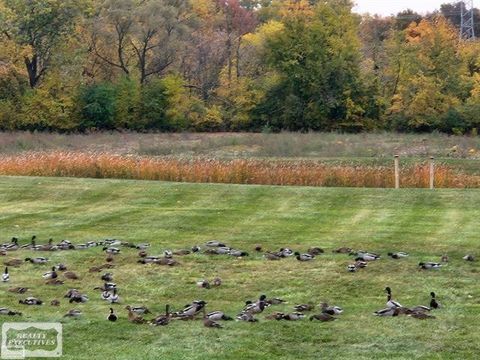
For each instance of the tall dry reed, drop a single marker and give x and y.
(239, 171)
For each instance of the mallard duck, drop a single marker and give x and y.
(352, 268)
(73, 313)
(168, 254)
(55, 303)
(142, 246)
(257, 306)
(106, 286)
(31, 301)
(191, 310)
(343, 250)
(114, 298)
(18, 290)
(293, 316)
(133, 317)
(60, 267)
(140, 310)
(315, 251)
(164, 319)
(275, 301)
(444, 258)
(203, 284)
(332, 310)
(217, 281)
(237, 253)
(5, 275)
(360, 264)
(32, 243)
(420, 308)
(105, 295)
(111, 250)
(271, 256)
(421, 315)
(469, 257)
(196, 248)
(71, 275)
(286, 252)
(258, 248)
(12, 245)
(304, 257)
(324, 317)
(50, 274)
(167, 262)
(46, 247)
(107, 277)
(208, 322)
(149, 259)
(246, 316)
(112, 242)
(391, 303)
(78, 298)
(142, 253)
(13, 262)
(181, 252)
(37, 260)
(391, 311)
(110, 258)
(304, 307)
(433, 302)
(111, 316)
(275, 316)
(214, 243)
(54, 282)
(218, 315)
(366, 256)
(398, 255)
(429, 265)
(5, 311)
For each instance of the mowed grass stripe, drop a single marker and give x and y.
(171, 215)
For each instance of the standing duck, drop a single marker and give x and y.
(111, 316)
(5, 275)
(391, 303)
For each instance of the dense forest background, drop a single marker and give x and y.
(234, 65)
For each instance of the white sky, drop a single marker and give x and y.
(388, 7)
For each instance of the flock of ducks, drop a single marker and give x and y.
(136, 314)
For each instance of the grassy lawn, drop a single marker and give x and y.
(173, 216)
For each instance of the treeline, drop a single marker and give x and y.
(233, 65)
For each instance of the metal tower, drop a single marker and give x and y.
(467, 27)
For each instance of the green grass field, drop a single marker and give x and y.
(173, 216)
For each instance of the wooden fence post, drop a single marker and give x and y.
(397, 172)
(432, 172)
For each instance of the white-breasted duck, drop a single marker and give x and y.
(5, 311)
(111, 250)
(237, 253)
(215, 243)
(37, 260)
(114, 297)
(50, 274)
(218, 315)
(31, 301)
(398, 255)
(429, 265)
(5, 275)
(304, 257)
(390, 302)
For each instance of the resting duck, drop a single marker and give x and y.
(5, 311)
(55, 302)
(391, 303)
(31, 301)
(18, 290)
(315, 251)
(207, 322)
(324, 317)
(398, 255)
(286, 252)
(164, 319)
(275, 301)
(271, 256)
(304, 257)
(444, 258)
(37, 260)
(366, 256)
(275, 316)
(111, 250)
(391, 311)
(331, 310)
(107, 277)
(50, 274)
(218, 315)
(256, 307)
(258, 248)
(214, 243)
(181, 252)
(237, 253)
(54, 282)
(304, 307)
(293, 316)
(73, 313)
(429, 265)
(71, 275)
(191, 310)
(111, 316)
(469, 258)
(12, 245)
(352, 268)
(217, 282)
(203, 284)
(32, 243)
(13, 262)
(421, 315)
(5, 275)
(433, 302)
(140, 310)
(360, 264)
(133, 317)
(60, 267)
(196, 248)
(343, 250)
(246, 316)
